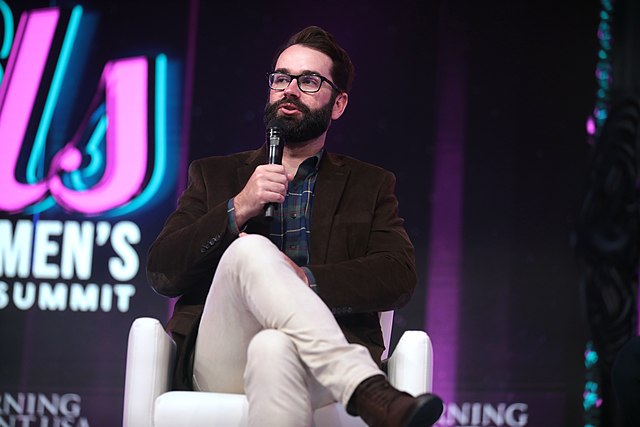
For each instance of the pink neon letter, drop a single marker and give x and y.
(126, 152)
(125, 88)
(17, 95)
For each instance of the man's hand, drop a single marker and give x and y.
(267, 184)
(299, 271)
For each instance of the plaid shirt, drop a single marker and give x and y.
(290, 230)
(291, 227)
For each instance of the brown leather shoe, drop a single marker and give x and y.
(381, 405)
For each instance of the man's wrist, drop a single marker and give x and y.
(231, 218)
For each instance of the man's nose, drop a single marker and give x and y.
(293, 89)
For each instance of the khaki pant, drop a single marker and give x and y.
(266, 334)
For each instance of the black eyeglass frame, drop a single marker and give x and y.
(297, 79)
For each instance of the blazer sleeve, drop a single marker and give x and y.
(189, 247)
(370, 263)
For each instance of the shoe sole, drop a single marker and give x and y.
(427, 412)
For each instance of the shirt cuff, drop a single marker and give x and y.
(312, 280)
(231, 218)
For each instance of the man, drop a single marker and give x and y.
(256, 314)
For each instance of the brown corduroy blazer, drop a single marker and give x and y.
(360, 254)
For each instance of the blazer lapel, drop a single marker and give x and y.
(254, 159)
(332, 177)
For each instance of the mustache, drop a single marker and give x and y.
(294, 101)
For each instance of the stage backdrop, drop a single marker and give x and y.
(479, 111)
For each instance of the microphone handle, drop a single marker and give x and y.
(273, 158)
(270, 211)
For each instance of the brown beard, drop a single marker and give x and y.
(312, 124)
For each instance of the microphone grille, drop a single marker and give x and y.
(274, 123)
(274, 128)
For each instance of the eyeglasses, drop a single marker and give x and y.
(307, 83)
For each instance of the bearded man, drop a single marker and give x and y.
(285, 308)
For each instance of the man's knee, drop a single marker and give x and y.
(271, 346)
(249, 249)
(250, 243)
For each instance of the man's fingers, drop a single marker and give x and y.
(269, 191)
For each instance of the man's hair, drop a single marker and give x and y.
(318, 39)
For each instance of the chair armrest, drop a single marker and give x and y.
(150, 359)
(410, 367)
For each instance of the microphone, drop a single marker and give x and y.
(275, 142)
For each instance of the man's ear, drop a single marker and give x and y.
(339, 105)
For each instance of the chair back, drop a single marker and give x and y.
(386, 323)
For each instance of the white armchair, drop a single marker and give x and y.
(149, 401)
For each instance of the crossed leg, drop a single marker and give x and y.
(256, 295)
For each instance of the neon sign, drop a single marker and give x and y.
(121, 166)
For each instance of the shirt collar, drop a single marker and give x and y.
(310, 165)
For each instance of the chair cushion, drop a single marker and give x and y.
(190, 409)
(197, 409)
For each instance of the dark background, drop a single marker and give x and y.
(529, 86)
